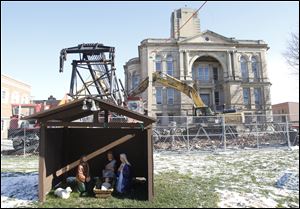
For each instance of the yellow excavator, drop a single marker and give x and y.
(200, 108)
(211, 127)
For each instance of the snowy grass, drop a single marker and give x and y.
(171, 190)
(246, 178)
(10, 163)
(242, 178)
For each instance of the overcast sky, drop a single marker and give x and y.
(33, 33)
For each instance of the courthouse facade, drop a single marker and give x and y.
(225, 71)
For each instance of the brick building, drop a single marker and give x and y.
(12, 92)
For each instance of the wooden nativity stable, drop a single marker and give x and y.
(63, 141)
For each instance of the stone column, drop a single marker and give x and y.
(189, 66)
(237, 71)
(164, 64)
(213, 104)
(186, 65)
(226, 94)
(126, 79)
(149, 69)
(233, 66)
(263, 67)
(250, 72)
(229, 70)
(252, 98)
(181, 65)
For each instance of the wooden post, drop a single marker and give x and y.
(42, 166)
(224, 131)
(106, 116)
(150, 164)
(66, 135)
(96, 117)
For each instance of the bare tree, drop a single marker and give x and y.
(292, 52)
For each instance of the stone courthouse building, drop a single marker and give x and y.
(223, 70)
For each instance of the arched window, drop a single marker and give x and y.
(170, 68)
(135, 80)
(244, 69)
(203, 72)
(193, 73)
(255, 68)
(158, 63)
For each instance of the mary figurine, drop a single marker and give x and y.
(123, 174)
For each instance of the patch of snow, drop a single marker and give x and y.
(18, 189)
(236, 200)
(289, 180)
(294, 147)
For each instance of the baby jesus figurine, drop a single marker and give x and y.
(106, 185)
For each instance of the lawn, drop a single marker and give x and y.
(11, 163)
(171, 190)
(241, 178)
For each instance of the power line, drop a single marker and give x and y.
(191, 17)
(185, 22)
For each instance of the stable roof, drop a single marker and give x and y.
(73, 111)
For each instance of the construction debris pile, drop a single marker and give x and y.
(240, 142)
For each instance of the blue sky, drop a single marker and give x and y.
(33, 33)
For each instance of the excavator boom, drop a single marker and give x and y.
(191, 92)
(140, 88)
(169, 81)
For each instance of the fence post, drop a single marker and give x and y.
(287, 130)
(256, 133)
(187, 134)
(224, 131)
(24, 142)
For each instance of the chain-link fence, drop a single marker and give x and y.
(229, 131)
(176, 133)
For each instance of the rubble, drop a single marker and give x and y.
(241, 142)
